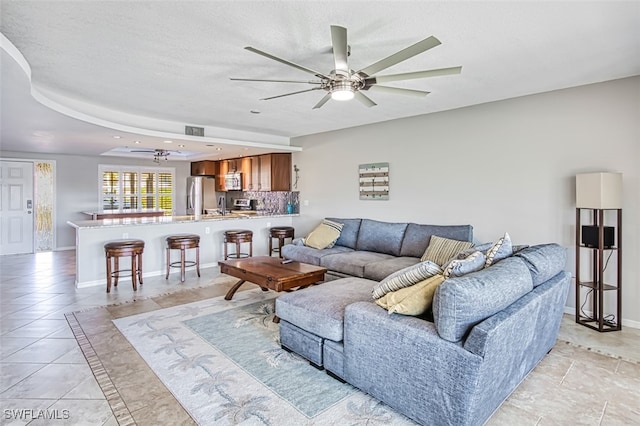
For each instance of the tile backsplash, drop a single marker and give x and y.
(272, 202)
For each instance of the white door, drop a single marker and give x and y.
(16, 207)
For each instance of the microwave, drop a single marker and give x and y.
(233, 181)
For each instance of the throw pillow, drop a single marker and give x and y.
(499, 250)
(441, 250)
(324, 236)
(406, 277)
(459, 267)
(414, 300)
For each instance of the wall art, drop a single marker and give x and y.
(374, 181)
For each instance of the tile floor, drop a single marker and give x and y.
(43, 371)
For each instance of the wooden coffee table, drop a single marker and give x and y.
(270, 273)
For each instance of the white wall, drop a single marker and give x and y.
(503, 166)
(77, 185)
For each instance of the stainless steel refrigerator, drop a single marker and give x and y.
(207, 194)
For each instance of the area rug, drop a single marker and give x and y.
(223, 362)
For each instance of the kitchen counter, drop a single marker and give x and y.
(124, 214)
(164, 220)
(91, 235)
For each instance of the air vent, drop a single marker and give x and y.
(194, 131)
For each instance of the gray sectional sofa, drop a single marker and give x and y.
(488, 330)
(373, 249)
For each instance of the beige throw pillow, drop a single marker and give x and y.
(414, 300)
(441, 250)
(324, 236)
(406, 277)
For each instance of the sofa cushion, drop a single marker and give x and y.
(381, 237)
(460, 303)
(544, 261)
(441, 250)
(324, 235)
(414, 300)
(310, 255)
(459, 267)
(349, 234)
(501, 249)
(320, 309)
(352, 262)
(406, 277)
(381, 269)
(416, 237)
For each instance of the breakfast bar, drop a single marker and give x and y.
(91, 235)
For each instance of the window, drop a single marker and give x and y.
(126, 188)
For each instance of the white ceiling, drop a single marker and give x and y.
(143, 70)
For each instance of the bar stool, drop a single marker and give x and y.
(182, 242)
(122, 248)
(279, 232)
(237, 237)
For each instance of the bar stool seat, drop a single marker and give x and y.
(279, 232)
(237, 237)
(123, 248)
(182, 242)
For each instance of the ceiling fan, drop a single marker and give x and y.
(158, 154)
(343, 83)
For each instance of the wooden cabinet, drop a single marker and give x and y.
(280, 172)
(274, 172)
(247, 177)
(204, 168)
(268, 172)
(223, 169)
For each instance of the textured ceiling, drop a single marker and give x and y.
(161, 65)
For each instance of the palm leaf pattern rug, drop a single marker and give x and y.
(222, 360)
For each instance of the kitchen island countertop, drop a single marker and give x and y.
(91, 235)
(166, 220)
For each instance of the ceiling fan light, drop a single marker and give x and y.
(342, 91)
(342, 95)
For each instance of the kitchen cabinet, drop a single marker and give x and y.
(247, 176)
(204, 168)
(268, 172)
(271, 172)
(279, 175)
(223, 168)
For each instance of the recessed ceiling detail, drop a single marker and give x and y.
(124, 68)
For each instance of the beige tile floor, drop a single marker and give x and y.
(43, 368)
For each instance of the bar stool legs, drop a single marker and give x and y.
(237, 237)
(279, 232)
(183, 242)
(122, 248)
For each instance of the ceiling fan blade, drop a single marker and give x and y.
(364, 99)
(289, 94)
(403, 55)
(323, 101)
(398, 90)
(284, 61)
(340, 54)
(412, 75)
(275, 81)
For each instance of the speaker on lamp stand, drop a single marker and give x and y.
(590, 236)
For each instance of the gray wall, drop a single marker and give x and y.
(503, 166)
(77, 186)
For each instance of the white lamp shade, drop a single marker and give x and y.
(599, 190)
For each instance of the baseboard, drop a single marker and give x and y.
(103, 282)
(64, 248)
(625, 322)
